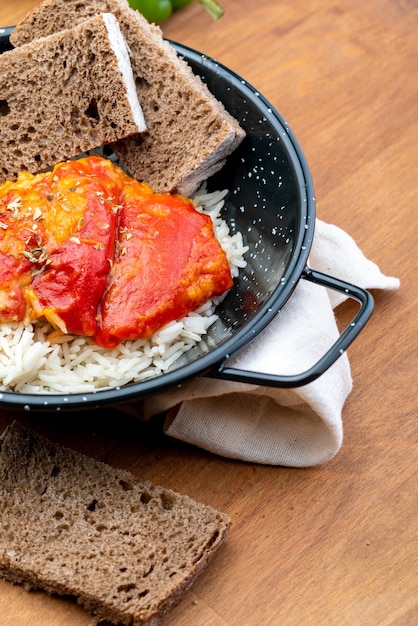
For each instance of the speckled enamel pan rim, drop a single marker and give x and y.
(211, 360)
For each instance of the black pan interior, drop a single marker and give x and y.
(270, 201)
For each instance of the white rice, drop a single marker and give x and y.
(34, 361)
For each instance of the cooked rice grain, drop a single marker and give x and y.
(39, 359)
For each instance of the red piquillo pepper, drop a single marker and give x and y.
(168, 263)
(99, 254)
(59, 233)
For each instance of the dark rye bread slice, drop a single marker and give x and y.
(125, 549)
(189, 134)
(65, 94)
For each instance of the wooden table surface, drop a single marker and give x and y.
(337, 544)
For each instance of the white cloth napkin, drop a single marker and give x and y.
(294, 427)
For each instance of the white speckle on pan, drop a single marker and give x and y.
(27, 407)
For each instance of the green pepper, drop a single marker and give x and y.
(177, 4)
(155, 11)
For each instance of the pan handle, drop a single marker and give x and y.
(337, 349)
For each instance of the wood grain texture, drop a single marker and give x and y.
(335, 544)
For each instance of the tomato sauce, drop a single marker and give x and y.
(99, 254)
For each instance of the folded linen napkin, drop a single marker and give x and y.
(293, 427)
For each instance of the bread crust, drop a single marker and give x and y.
(62, 95)
(125, 549)
(190, 133)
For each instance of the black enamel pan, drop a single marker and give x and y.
(271, 201)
